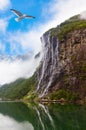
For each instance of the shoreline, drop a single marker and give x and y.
(45, 101)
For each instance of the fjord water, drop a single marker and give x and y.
(22, 116)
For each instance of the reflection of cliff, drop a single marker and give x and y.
(33, 114)
(40, 117)
(18, 111)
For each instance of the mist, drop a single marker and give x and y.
(12, 69)
(83, 15)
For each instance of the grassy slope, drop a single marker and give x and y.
(74, 23)
(17, 89)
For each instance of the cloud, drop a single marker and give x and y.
(3, 25)
(70, 8)
(12, 70)
(7, 123)
(29, 40)
(55, 12)
(4, 4)
(2, 47)
(60, 10)
(83, 15)
(4, 22)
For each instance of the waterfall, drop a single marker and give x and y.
(44, 65)
(54, 58)
(49, 68)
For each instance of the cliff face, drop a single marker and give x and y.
(63, 67)
(72, 59)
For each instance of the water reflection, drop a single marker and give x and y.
(43, 111)
(21, 116)
(7, 123)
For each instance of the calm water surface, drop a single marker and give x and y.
(21, 116)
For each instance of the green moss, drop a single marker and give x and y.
(65, 78)
(63, 29)
(31, 96)
(71, 27)
(84, 67)
(67, 95)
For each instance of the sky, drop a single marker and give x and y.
(23, 38)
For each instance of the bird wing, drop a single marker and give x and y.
(16, 12)
(29, 16)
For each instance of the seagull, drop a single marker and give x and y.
(20, 15)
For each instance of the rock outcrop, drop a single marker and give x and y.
(63, 67)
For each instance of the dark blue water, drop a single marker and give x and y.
(22, 116)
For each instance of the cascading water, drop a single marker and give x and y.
(50, 68)
(45, 58)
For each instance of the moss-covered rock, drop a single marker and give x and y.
(63, 94)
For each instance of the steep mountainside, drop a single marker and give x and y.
(62, 71)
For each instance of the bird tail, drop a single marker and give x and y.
(17, 19)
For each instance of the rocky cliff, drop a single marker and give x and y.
(62, 72)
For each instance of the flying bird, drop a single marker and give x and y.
(20, 15)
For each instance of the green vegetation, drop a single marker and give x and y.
(17, 89)
(31, 96)
(63, 94)
(71, 20)
(70, 25)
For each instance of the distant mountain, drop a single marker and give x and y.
(17, 89)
